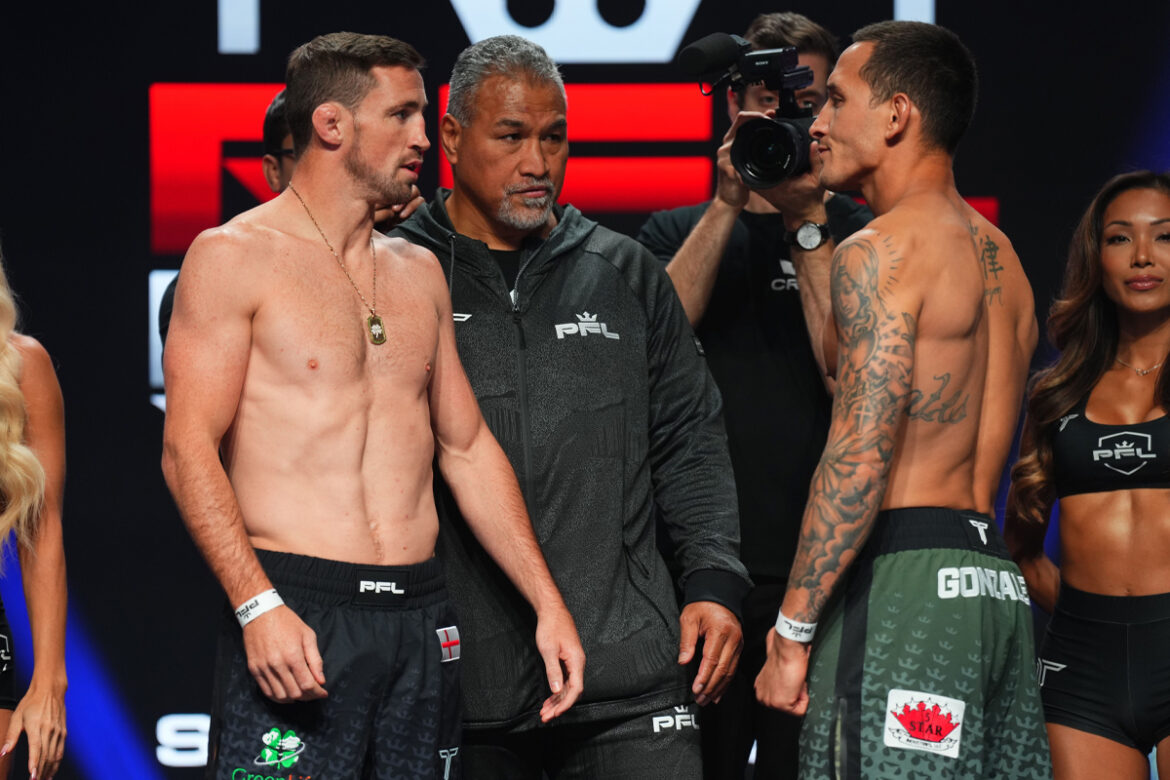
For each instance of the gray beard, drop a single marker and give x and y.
(526, 218)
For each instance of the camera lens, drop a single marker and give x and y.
(768, 154)
(768, 151)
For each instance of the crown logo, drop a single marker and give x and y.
(929, 724)
(576, 31)
(587, 317)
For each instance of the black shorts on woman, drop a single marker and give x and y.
(8, 698)
(1104, 667)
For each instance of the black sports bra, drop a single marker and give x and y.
(1091, 457)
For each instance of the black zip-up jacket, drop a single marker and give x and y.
(592, 381)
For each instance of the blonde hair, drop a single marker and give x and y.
(22, 478)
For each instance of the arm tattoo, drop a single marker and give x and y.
(873, 390)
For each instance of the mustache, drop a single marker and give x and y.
(512, 189)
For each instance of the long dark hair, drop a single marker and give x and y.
(1082, 324)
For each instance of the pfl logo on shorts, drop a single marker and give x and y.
(682, 718)
(924, 721)
(378, 586)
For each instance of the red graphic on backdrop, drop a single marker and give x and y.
(648, 112)
(926, 723)
(189, 124)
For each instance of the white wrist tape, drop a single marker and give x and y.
(257, 606)
(794, 629)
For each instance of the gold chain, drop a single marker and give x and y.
(337, 257)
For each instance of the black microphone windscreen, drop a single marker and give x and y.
(708, 54)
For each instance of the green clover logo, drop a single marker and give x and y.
(281, 750)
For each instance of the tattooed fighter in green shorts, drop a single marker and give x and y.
(922, 661)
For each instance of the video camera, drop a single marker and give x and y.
(765, 151)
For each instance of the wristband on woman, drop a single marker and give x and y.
(257, 606)
(794, 629)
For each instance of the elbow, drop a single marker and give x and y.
(170, 460)
(1024, 548)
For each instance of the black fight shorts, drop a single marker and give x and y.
(661, 745)
(391, 648)
(1104, 668)
(7, 672)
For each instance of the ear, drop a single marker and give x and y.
(271, 167)
(732, 104)
(329, 123)
(450, 133)
(900, 109)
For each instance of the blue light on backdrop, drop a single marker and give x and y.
(102, 741)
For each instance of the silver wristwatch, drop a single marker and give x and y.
(809, 236)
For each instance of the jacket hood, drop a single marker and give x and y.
(430, 226)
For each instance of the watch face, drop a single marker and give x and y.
(808, 236)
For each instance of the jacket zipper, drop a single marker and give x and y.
(522, 389)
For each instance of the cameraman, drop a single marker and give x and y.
(754, 298)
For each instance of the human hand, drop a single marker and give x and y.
(783, 682)
(41, 716)
(564, 660)
(729, 187)
(722, 644)
(387, 217)
(283, 657)
(801, 198)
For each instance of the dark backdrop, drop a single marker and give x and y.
(1071, 93)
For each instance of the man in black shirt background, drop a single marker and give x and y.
(756, 293)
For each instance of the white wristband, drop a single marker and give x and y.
(794, 629)
(257, 606)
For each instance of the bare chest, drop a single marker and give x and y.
(313, 326)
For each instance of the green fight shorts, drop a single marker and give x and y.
(924, 664)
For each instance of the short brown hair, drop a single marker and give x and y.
(932, 66)
(275, 125)
(336, 67)
(775, 31)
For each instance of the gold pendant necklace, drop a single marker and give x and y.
(374, 324)
(1139, 371)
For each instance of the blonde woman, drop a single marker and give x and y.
(32, 476)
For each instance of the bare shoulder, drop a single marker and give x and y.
(919, 226)
(245, 239)
(993, 242)
(407, 252)
(414, 262)
(230, 264)
(882, 246)
(1005, 283)
(31, 350)
(38, 378)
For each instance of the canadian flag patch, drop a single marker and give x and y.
(924, 721)
(449, 643)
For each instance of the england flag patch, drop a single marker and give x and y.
(449, 643)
